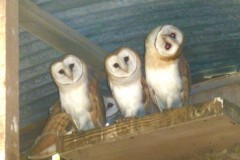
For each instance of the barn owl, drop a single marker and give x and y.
(129, 89)
(79, 93)
(112, 111)
(167, 71)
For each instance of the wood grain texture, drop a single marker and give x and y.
(227, 87)
(9, 60)
(58, 35)
(173, 143)
(229, 92)
(170, 134)
(215, 83)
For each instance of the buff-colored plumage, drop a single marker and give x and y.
(58, 124)
(129, 89)
(79, 93)
(167, 71)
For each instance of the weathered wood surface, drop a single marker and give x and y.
(170, 143)
(229, 92)
(9, 92)
(60, 36)
(171, 134)
(216, 83)
(227, 87)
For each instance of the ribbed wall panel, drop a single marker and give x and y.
(37, 90)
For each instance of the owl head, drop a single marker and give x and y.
(68, 71)
(122, 63)
(166, 41)
(110, 106)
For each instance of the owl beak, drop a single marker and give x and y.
(168, 39)
(125, 69)
(70, 76)
(123, 66)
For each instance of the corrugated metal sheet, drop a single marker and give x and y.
(211, 28)
(37, 90)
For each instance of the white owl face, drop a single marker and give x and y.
(122, 63)
(110, 106)
(168, 40)
(68, 71)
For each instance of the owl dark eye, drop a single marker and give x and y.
(116, 65)
(71, 66)
(168, 46)
(126, 59)
(110, 105)
(173, 35)
(61, 71)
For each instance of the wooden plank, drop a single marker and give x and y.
(170, 143)
(58, 35)
(229, 92)
(171, 134)
(9, 84)
(227, 87)
(216, 83)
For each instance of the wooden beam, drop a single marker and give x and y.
(216, 83)
(229, 92)
(171, 134)
(176, 143)
(58, 35)
(174, 134)
(9, 83)
(227, 87)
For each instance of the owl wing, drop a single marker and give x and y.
(146, 96)
(57, 109)
(148, 99)
(185, 74)
(158, 105)
(58, 124)
(97, 111)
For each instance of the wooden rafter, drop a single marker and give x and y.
(9, 84)
(58, 35)
(216, 83)
(227, 87)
